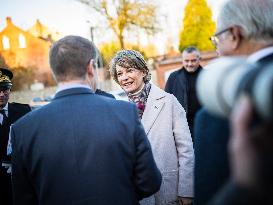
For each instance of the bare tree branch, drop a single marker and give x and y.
(126, 15)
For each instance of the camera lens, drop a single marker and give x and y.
(222, 82)
(263, 92)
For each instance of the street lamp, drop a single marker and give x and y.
(92, 28)
(92, 33)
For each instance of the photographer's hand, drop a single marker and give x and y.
(243, 158)
(251, 149)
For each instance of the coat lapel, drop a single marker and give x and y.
(155, 103)
(182, 78)
(13, 114)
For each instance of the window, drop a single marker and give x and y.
(5, 41)
(22, 41)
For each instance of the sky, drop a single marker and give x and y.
(70, 17)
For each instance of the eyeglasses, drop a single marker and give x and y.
(5, 90)
(214, 39)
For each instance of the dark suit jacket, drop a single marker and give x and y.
(82, 149)
(103, 93)
(211, 157)
(15, 111)
(178, 84)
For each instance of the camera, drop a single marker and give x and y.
(225, 79)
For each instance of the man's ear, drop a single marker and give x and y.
(236, 33)
(90, 69)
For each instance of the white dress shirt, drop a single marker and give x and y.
(6, 111)
(66, 86)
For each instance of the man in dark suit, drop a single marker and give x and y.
(247, 33)
(9, 113)
(182, 83)
(81, 148)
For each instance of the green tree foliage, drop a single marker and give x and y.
(197, 27)
(124, 16)
(108, 51)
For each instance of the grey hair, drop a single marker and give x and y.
(129, 59)
(255, 17)
(191, 49)
(69, 57)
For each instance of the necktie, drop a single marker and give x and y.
(4, 116)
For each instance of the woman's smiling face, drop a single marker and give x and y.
(130, 79)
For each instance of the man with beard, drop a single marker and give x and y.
(182, 83)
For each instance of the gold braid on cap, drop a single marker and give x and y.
(4, 78)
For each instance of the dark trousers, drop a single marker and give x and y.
(5, 187)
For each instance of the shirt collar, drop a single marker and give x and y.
(71, 85)
(255, 57)
(6, 111)
(6, 108)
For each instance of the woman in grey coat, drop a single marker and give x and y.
(165, 124)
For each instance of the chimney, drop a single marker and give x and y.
(8, 21)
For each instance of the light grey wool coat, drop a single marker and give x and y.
(165, 124)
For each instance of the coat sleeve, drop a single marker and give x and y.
(184, 148)
(147, 177)
(23, 192)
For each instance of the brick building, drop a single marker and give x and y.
(22, 48)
